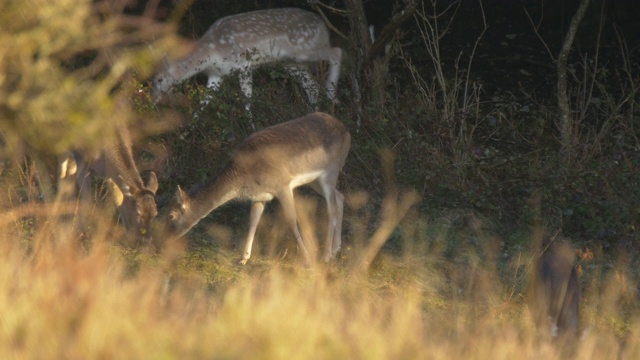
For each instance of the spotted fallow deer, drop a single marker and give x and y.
(269, 164)
(135, 199)
(243, 41)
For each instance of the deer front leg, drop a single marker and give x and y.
(245, 78)
(335, 63)
(213, 83)
(256, 212)
(337, 234)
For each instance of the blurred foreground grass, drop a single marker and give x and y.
(62, 300)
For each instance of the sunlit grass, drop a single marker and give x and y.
(60, 299)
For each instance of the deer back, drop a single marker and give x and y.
(274, 34)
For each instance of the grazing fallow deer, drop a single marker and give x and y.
(135, 200)
(554, 291)
(243, 41)
(269, 164)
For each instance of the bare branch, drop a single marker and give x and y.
(535, 31)
(314, 4)
(37, 210)
(150, 9)
(386, 35)
(472, 55)
(393, 211)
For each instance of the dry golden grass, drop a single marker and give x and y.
(60, 299)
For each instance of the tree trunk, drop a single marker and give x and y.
(368, 80)
(567, 135)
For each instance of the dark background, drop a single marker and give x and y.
(508, 170)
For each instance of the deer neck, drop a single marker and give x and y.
(218, 191)
(121, 168)
(197, 62)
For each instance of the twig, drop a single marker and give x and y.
(393, 212)
(37, 210)
(389, 30)
(314, 5)
(535, 31)
(317, 2)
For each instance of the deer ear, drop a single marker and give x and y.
(126, 190)
(152, 183)
(68, 167)
(118, 194)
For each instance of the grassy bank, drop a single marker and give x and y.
(61, 300)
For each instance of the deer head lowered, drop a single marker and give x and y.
(135, 199)
(270, 164)
(243, 41)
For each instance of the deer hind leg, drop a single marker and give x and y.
(334, 57)
(335, 204)
(289, 208)
(256, 213)
(213, 81)
(310, 86)
(337, 234)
